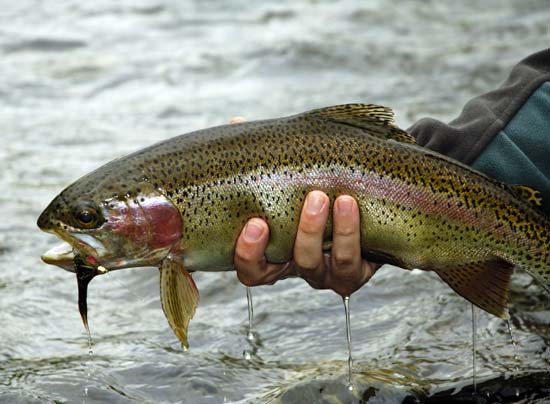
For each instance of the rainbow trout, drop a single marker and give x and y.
(181, 204)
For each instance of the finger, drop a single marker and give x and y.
(346, 267)
(237, 119)
(249, 257)
(308, 247)
(250, 262)
(343, 288)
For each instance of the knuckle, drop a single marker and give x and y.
(270, 279)
(311, 226)
(306, 262)
(344, 259)
(315, 285)
(345, 290)
(237, 119)
(244, 255)
(248, 279)
(346, 230)
(346, 283)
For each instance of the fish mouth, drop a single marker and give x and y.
(62, 255)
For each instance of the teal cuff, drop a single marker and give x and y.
(520, 153)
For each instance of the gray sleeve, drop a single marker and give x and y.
(485, 116)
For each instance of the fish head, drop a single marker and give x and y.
(139, 228)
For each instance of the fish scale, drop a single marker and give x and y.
(418, 209)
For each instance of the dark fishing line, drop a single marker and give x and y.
(84, 274)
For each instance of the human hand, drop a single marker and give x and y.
(343, 270)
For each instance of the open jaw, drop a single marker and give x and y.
(63, 255)
(81, 258)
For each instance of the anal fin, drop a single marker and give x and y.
(179, 297)
(483, 283)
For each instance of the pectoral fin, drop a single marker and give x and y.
(484, 283)
(179, 297)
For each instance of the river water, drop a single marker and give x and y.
(84, 82)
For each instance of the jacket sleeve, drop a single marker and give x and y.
(504, 133)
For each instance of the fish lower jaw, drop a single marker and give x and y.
(62, 255)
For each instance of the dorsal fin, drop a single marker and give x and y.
(377, 119)
(484, 283)
(361, 114)
(527, 193)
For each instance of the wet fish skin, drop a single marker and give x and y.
(418, 209)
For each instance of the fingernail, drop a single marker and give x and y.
(237, 119)
(314, 203)
(252, 232)
(345, 205)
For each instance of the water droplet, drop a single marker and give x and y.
(474, 350)
(348, 335)
(509, 326)
(88, 365)
(90, 343)
(514, 347)
(250, 333)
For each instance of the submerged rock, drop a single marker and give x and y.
(525, 388)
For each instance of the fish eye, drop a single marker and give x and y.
(87, 217)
